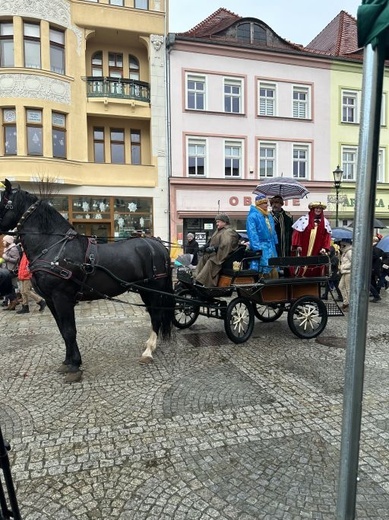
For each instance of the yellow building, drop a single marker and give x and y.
(83, 110)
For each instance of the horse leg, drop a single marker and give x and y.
(151, 345)
(66, 323)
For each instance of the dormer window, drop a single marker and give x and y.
(251, 32)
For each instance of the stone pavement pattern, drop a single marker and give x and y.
(210, 431)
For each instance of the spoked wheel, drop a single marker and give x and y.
(269, 312)
(239, 320)
(307, 317)
(185, 311)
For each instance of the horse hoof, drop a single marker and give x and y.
(73, 377)
(146, 360)
(63, 368)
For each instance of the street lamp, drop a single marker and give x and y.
(338, 174)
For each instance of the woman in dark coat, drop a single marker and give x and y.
(192, 248)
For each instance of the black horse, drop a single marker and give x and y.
(68, 267)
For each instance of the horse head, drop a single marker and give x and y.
(13, 204)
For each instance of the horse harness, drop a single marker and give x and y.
(88, 267)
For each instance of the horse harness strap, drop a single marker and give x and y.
(89, 265)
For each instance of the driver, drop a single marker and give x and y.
(223, 242)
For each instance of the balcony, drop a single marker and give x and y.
(118, 88)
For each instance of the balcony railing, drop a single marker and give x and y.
(119, 88)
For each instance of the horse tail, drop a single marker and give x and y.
(167, 303)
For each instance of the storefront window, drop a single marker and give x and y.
(133, 216)
(91, 208)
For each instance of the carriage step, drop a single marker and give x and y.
(333, 309)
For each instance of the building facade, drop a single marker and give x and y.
(246, 105)
(83, 108)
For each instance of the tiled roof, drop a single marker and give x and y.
(339, 38)
(217, 21)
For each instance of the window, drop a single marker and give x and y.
(349, 107)
(135, 147)
(300, 161)
(267, 99)
(301, 103)
(34, 132)
(267, 160)
(97, 64)
(115, 63)
(349, 162)
(233, 96)
(250, 32)
(196, 157)
(98, 145)
(57, 51)
(117, 146)
(141, 4)
(134, 67)
(6, 44)
(9, 131)
(381, 165)
(58, 122)
(32, 46)
(233, 159)
(117, 2)
(196, 92)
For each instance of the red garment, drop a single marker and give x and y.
(24, 272)
(322, 241)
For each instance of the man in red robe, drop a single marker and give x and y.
(312, 235)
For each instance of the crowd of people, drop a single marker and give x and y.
(15, 279)
(271, 230)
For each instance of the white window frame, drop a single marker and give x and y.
(349, 163)
(381, 173)
(299, 163)
(197, 142)
(237, 146)
(197, 78)
(267, 162)
(301, 107)
(267, 106)
(350, 106)
(232, 96)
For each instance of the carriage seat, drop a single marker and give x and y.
(243, 256)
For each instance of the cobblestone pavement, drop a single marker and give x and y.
(211, 430)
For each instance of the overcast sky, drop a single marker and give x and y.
(298, 21)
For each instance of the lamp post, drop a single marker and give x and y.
(338, 174)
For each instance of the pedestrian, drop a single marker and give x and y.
(26, 290)
(192, 248)
(345, 271)
(262, 235)
(223, 242)
(11, 257)
(376, 269)
(334, 277)
(283, 223)
(312, 236)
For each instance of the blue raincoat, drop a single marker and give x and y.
(262, 236)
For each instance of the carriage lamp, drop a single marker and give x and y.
(338, 175)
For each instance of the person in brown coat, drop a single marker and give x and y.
(223, 242)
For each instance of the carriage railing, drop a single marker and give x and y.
(8, 508)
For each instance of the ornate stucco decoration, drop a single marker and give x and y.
(54, 11)
(156, 41)
(33, 86)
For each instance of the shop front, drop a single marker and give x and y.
(108, 218)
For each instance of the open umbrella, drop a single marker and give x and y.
(384, 244)
(287, 187)
(377, 224)
(341, 233)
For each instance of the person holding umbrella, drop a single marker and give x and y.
(312, 236)
(283, 224)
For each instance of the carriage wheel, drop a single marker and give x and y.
(268, 312)
(307, 317)
(239, 320)
(185, 312)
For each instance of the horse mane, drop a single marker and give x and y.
(49, 219)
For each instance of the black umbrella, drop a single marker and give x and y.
(377, 224)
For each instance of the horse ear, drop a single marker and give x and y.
(7, 185)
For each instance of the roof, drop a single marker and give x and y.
(338, 38)
(217, 21)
